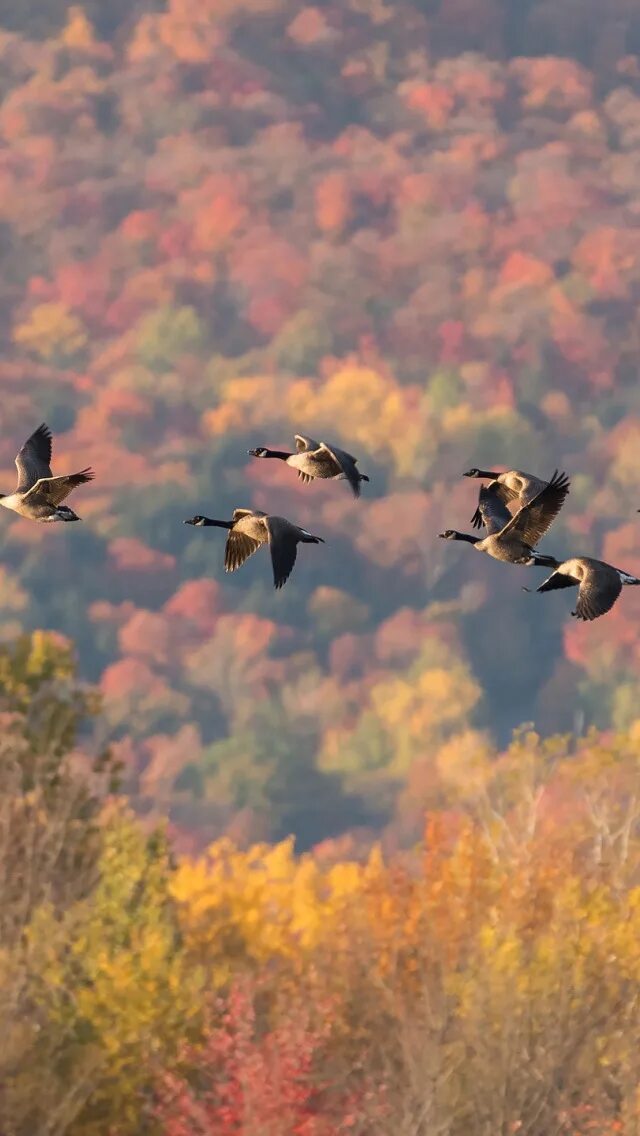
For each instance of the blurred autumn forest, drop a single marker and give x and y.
(381, 224)
(413, 229)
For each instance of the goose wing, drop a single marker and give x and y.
(248, 533)
(33, 461)
(346, 464)
(304, 444)
(531, 486)
(54, 489)
(492, 511)
(239, 547)
(599, 589)
(532, 521)
(502, 493)
(283, 541)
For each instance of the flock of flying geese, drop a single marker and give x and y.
(510, 536)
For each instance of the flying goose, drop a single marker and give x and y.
(317, 459)
(513, 538)
(248, 529)
(510, 486)
(38, 495)
(599, 584)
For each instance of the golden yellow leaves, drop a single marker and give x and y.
(243, 909)
(53, 333)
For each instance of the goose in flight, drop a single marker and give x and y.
(513, 538)
(317, 459)
(514, 485)
(38, 494)
(599, 584)
(248, 529)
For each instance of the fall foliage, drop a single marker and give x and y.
(332, 861)
(409, 228)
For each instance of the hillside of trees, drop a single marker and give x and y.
(484, 982)
(360, 857)
(225, 223)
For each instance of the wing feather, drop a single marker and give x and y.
(599, 590)
(346, 464)
(284, 549)
(304, 444)
(532, 521)
(33, 460)
(239, 547)
(503, 493)
(54, 489)
(491, 508)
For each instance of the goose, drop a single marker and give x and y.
(513, 538)
(248, 529)
(599, 584)
(510, 486)
(317, 459)
(38, 495)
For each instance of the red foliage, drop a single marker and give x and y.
(256, 1081)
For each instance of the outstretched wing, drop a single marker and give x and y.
(304, 444)
(502, 493)
(491, 509)
(532, 521)
(601, 585)
(239, 547)
(346, 463)
(558, 580)
(55, 489)
(33, 461)
(284, 548)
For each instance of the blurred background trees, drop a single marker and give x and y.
(411, 228)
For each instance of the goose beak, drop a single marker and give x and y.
(252, 453)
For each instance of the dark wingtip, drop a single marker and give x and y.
(476, 519)
(363, 477)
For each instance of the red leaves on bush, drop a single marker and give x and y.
(255, 1079)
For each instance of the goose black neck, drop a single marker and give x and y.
(208, 522)
(282, 454)
(545, 561)
(487, 473)
(468, 537)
